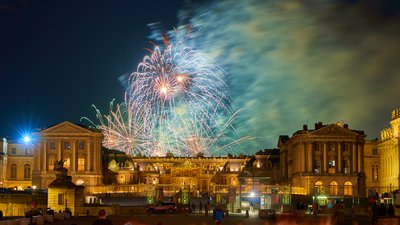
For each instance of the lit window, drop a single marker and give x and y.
(52, 145)
(13, 171)
(333, 188)
(67, 145)
(67, 163)
(27, 171)
(331, 164)
(348, 188)
(318, 187)
(51, 163)
(81, 164)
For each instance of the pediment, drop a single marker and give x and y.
(334, 130)
(66, 128)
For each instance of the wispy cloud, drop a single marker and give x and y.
(293, 62)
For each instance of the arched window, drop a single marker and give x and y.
(318, 187)
(27, 171)
(333, 188)
(348, 188)
(13, 174)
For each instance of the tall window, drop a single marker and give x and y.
(60, 199)
(13, 150)
(27, 171)
(13, 171)
(317, 165)
(81, 145)
(81, 164)
(51, 163)
(67, 145)
(347, 165)
(374, 172)
(348, 188)
(333, 188)
(331, 164)
(67, 163)
(375, 151)
(52, 145)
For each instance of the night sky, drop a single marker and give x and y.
(289, 63)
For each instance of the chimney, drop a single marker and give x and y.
(346, 126)
(305, 127)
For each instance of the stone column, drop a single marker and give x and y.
(324, 159)
(360, 151)
(303, 159)
(44, 166)
(339, 156)
(73, 160)
(354, 158)
(95, 153)
(39, 155)
(59, 150)
(88, 155)
(310, 157)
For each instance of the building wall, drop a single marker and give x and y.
(79, 146)
(389, 155)
(19, 166)
(324, 161)
(3, 161)
(371, 163)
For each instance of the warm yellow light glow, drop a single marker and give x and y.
(163, 90)
(179, 78)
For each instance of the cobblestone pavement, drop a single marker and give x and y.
(179, 219)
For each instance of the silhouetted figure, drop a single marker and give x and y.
(200, 208)
(375, 214)
(193, 207)
(1, 215)
(382, 210)
(218, 215)
(102, 219)
(390, 211)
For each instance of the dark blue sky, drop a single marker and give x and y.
(289, 63)
(60, 57)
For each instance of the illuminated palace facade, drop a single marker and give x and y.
(328, 163)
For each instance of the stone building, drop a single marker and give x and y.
(389, 155)
(16, 164)
(78, 145)
(326, 162)
(371, 166)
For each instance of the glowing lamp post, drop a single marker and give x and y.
(27, 139)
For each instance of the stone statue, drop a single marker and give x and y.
(59, 164)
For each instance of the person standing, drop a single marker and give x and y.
(390, 210)
(218, 215)
(200, 208)
(102, 220)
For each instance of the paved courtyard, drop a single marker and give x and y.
(179, 219)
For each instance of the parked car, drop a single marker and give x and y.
(266, 214)
(162, 207)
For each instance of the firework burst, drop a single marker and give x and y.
(177, 102)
